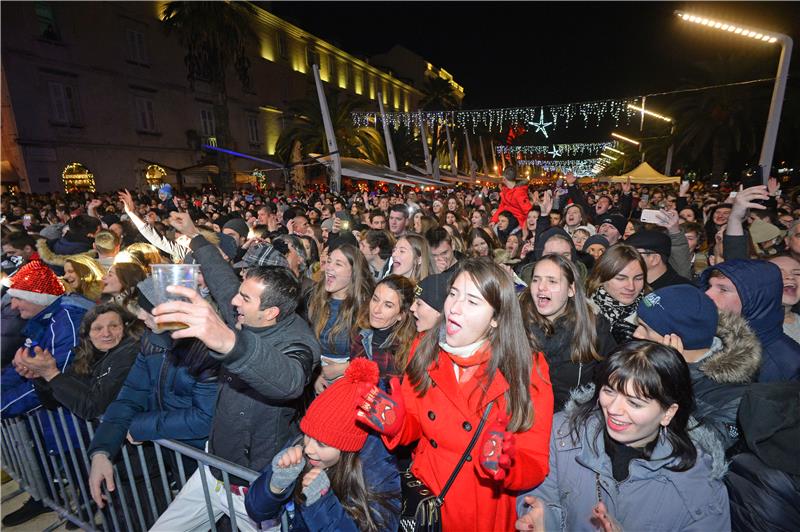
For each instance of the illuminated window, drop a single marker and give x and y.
(145, 117)
(63, 104)
(137, 48)
(207, 125)
(47, 26)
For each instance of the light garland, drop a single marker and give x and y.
(577, 148)
(591, 113)
(579, 167)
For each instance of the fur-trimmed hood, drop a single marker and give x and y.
(52, 258)
(739, 358)
(702, 437)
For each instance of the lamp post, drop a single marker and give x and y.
(776, 104)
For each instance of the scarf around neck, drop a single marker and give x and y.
(617, 313)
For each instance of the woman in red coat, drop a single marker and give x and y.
(478, 353)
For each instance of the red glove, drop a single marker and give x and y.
(498, 449)
(383, 412)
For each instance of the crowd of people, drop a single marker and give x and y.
(536, 356)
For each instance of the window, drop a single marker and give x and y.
(252, 128)
(137, 49)
(47, 26)
(283, 46)
(63, 104)
(145, 117)
(207, 125)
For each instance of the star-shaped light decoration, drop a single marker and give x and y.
(541, 125)
(555, 152)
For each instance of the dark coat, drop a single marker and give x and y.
(167, 395)
(263, 378)
(380, 476)
(88, 396)
(565, 375)
(760, 288)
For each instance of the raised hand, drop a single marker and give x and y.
(498, 449)
(626, 186)
(745, 199)
(683, 189)
(127, 200)
(383, 412)
(315, 485)
(773, 186)
(286, 467)
(202, 320)
(183, 223)
(534, 519)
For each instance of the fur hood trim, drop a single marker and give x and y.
(48, 256)
(740, 357)
(702, 437)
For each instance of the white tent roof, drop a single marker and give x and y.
(646, 175)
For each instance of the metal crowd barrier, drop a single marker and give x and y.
(144, 487)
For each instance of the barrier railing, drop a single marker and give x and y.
(45, 452)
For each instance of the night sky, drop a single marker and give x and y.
(517, 54)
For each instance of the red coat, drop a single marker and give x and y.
(516, 201)
(443, 421)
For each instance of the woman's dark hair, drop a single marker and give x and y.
(314, 255)
(511, 350)
(614, 260)
(578, 315)
(348, 484)
(86, 354)
(483, 235)
(653, 371)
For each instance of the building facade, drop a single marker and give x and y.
(99, 89)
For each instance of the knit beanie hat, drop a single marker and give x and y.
(433, 290)
(683, 310)
(595, 239)
(238, 225)
(36, 283)
(331, 418)
(761, 231)
(616, 219)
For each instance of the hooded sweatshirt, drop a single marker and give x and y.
(760, 288)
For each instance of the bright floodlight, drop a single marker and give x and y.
(727, 26)
(609, 148)
(626, 139)
(609, 156)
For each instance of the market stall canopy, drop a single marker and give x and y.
(644, 174)
(364, 169)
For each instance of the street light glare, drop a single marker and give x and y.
(626, 139)
(651, 113)
(725, 26)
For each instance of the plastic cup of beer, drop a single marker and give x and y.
(165, 275)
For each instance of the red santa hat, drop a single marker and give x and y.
(36, 283)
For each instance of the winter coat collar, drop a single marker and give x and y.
(739, 357)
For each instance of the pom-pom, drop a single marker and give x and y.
(362, 370)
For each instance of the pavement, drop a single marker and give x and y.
(38, 524)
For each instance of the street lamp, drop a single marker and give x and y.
(775, 106)
(668, 164)
(626, 139)
(609, 148)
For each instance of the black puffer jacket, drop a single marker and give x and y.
(565, 375)
(88, 396)
(263, 378)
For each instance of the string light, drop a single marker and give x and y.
(591, 113)
(576, 166)
(576, 148)
(541, 125)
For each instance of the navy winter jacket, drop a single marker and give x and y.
(380, 475)
(760, 287)
(161, 398)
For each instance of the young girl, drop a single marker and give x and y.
(625, 459)
(337, 477)
(477, 354)
(412, 258)
(563, 325)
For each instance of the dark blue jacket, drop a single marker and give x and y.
(161, 398)
(55, 329)
(760, 287)
(380, 475)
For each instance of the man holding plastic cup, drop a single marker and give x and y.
(268, 354)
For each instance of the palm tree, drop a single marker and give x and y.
(715, 124)
(216, 36)
(304, 125)
(439, 96)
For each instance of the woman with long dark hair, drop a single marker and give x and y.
(337, 475)
(563, 326)
(624, 457)
(478, 354)
(387, 326)
(344, 288)
(615, 287)
(119, 284)
(108, 346)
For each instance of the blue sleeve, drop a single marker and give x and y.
(261, 504)
(190, 423)
(130, 402)
(328, 514)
